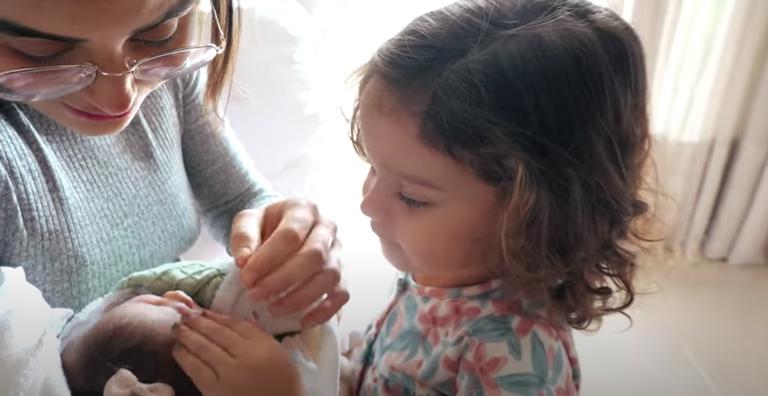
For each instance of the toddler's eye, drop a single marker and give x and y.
(411, 203)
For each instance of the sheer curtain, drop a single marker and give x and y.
(710, 95)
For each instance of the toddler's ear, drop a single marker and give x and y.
(180, 296)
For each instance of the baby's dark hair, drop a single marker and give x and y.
(110, 346)
(546, 100)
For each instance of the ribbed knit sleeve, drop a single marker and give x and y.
(222, 175)
(9, 224)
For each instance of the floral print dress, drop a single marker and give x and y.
(464, 341)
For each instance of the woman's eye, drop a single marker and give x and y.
(160, 34)
(37, 50)
(411, 203)
(38, 58)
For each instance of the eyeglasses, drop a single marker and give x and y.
(51, 82)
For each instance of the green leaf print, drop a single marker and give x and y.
(515, 349)
(408, 341)
(427, 347)
(539, 356)
(557, 367)
(521, 383)
(493, 330)
(391, 320)
(430, 368)
(411, 308)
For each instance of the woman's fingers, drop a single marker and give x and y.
(201, 374)
(297, 263)
(246, 235)
(313, 264)
(326, 309)
(296, 221)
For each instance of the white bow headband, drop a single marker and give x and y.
(124, 383)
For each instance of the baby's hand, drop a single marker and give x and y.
(224, 356)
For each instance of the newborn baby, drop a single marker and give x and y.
(132, 329)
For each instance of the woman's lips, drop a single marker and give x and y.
(97, 116)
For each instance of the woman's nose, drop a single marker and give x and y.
(113, 95)
(114, 90)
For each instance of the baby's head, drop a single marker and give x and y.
(134, 331)
(508, 138)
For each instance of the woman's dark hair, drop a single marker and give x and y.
(546, 101)
(112, 345)
(221, 69)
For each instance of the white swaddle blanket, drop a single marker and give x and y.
(29, 347)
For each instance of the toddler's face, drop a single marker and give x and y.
(434, 217)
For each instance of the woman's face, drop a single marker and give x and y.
(107, 33)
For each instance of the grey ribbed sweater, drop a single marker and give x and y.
(79, 213)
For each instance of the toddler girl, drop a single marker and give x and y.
(507, 140)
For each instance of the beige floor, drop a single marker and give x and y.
(701, 330)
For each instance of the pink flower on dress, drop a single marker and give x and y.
(484, 368)
(431, 323)
(450, 365)
(505, 307)
(524, 326)
(459, 310)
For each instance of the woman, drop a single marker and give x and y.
(111, 152)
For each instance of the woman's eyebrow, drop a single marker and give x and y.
(11, 28)
(176, 10)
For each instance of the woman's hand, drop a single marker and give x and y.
(224, 356)
(297, 264)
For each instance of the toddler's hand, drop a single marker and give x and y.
(228, 357)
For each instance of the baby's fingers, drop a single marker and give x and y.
(206, 350)
(244, 329)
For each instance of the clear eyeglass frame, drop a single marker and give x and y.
(51, 82)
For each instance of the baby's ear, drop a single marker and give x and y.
(180, 296)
